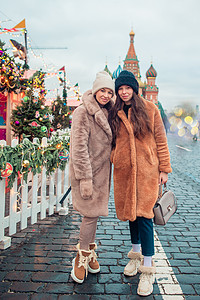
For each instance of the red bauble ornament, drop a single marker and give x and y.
(8, 171)
(51, 129)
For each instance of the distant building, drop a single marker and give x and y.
(149, 89)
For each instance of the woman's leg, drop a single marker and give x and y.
(135, 235)
(147, 239)
(87, 232)
(147, 236)
(93, 234)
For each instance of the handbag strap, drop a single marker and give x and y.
(160, 190)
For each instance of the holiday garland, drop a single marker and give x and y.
(28, 156)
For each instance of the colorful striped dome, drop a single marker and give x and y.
(107, 70)
(151, 72)
(117, 72)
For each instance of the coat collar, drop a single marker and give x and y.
(94, 109)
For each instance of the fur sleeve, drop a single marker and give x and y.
(161, 142)
(79, 144)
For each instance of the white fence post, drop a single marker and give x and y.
(43, 193)
(24, 202)
(5, 241)
(13, 202)
(34, 210)
(44, 202)
(58, 189)
(51, 194)
(64, 209)
(66, 185)
(13, 209)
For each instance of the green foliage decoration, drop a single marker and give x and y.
(37, 155)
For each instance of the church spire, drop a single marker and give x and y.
(131, 62)
(131, 50)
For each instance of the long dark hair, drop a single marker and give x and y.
(139, 117)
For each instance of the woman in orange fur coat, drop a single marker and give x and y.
(141, 162)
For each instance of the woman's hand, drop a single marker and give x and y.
(163, 177)
(86, 188)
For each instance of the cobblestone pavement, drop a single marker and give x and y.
(38, 264)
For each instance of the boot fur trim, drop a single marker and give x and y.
(93, 253)
(93, 266)
(134, 255)
(94, 246)
(78, 247)
(147, 270)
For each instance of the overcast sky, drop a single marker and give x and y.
(166, 32)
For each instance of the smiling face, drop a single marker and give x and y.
(126, 93)
(104, 95)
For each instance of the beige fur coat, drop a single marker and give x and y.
(137, 164)
(90, 149)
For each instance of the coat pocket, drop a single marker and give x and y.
(151, 156)
(122, 158)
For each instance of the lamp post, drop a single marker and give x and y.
(64, 87)
(26, 47)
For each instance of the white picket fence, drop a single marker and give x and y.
(34, 201)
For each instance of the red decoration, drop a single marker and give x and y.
(34, 124)
(8, 170)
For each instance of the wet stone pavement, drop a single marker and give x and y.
(38, 264)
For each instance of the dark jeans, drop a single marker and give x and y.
(142, 233)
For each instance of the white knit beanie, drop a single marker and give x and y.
(103, 80)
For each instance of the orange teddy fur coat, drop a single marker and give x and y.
(137, 164)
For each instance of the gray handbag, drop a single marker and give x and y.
(165, 207)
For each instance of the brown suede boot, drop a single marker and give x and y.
(93, 266)
(80, 265)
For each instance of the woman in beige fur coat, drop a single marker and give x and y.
(90, 169)
(141, 162)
